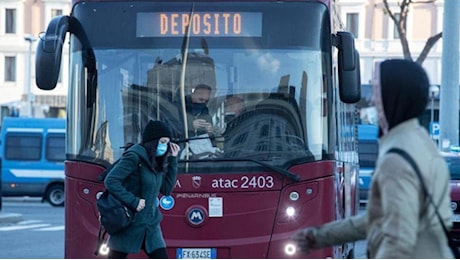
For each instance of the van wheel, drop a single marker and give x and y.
(55, 195)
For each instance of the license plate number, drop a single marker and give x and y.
(196, 253)
(455, 218)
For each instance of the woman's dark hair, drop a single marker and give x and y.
(158, 163)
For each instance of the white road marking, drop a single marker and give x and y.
(54, 228)
(27, 222)
(33, 225)
(21, 227)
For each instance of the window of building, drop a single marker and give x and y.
(10, 68)
(56, 12)
(23, 147)
(353, 23)
(55, 147)
(395, 30)
(10, 20)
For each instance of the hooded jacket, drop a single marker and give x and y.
(399, 222)
(131, 179)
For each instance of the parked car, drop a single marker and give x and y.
(453, 162)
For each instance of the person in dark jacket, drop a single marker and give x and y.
(145, 170)
(199, 120)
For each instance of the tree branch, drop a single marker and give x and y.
(427, 48)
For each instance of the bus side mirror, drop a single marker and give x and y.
(348, 68)
(49, 53)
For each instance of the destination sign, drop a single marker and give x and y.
(215, 24)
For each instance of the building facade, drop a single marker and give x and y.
(377, 38)
(22, 21)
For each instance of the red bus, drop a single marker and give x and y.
(291, 159)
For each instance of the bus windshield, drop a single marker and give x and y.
(150, 57)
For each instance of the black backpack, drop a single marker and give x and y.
(114, 215)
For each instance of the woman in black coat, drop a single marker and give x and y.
(144, 171)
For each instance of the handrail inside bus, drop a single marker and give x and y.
(184, 52)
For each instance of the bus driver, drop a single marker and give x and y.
(198, 119)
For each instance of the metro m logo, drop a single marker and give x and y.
(196, 215)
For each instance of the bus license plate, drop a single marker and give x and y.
(196, 253)
(455, 218)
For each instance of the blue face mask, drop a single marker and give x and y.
(161, 149)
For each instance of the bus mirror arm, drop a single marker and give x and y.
(49, 53)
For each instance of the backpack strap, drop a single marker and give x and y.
(101, 237)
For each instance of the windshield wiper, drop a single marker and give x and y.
(275, 169)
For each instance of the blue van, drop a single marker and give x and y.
(32, 154)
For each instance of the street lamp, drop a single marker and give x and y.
(434, 93)
(30, 97)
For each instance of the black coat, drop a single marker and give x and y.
(130, 186)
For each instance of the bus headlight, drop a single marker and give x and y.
(289, 249)
(290, 211)
(104, 249)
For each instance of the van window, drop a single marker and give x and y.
(22, 147)
(55, 147)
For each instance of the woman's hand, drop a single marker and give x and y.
(305, 239)
(175, 148)
(141, 205)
